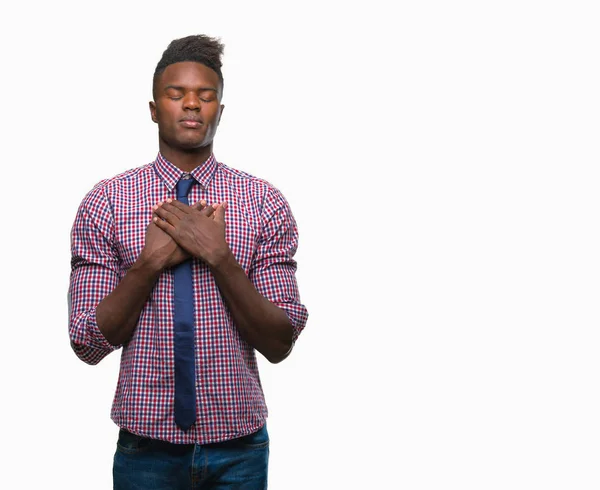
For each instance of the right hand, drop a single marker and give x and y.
(160, 249)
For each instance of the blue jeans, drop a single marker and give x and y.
(148, 464)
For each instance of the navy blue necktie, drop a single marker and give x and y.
(184, 338)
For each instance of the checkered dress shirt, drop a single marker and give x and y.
(106, 239)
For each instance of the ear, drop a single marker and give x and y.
(152, 105)
(221, 113)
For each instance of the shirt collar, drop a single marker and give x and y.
(170, 174)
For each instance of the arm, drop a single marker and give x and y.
(265, 305)
(262, 324)
(95, 268)
(118, 313)
(103, 310)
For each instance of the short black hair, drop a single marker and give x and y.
(199, 48)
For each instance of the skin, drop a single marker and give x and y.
(187, 110)
(187, 91)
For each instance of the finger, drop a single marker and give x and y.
(199, 205)
(176, 208)
(220, 213)
(182, 208)
(164, 211)
(209, 210)
(164, 225)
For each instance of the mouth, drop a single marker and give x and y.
(191, 123)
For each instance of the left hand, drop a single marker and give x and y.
(200, 233)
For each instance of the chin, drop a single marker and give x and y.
(192, 144)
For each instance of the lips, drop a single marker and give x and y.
(191, 123)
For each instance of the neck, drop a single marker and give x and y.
(186, 160)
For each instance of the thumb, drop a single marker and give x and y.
(220, 213)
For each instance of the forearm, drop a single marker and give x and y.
(118, 313)
(265, 326)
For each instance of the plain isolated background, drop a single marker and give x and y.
(441, 159)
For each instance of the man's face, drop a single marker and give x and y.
(187, 108)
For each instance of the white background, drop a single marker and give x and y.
(441, 159)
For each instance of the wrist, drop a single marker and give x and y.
(223, 262)
(149, 264)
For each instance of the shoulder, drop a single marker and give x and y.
(244, 179)
(261, 191)
(106, 189)
(123, 180)
(97, 206)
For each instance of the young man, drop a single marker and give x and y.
(188, 265)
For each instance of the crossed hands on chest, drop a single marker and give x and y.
(178, 231)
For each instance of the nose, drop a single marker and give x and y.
(191, 101)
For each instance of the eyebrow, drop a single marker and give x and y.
(182, 89)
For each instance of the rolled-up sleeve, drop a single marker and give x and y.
(273, 271)
(94, 274)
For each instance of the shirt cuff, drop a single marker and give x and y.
(298, 315)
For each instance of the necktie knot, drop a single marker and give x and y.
(183, 188)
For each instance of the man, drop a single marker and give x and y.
(188, 265)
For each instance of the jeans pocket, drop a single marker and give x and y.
(256, 440)
(129, 443)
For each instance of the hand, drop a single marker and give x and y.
(160, 249)
(196, 231)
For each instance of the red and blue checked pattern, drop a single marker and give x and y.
(108, 236)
